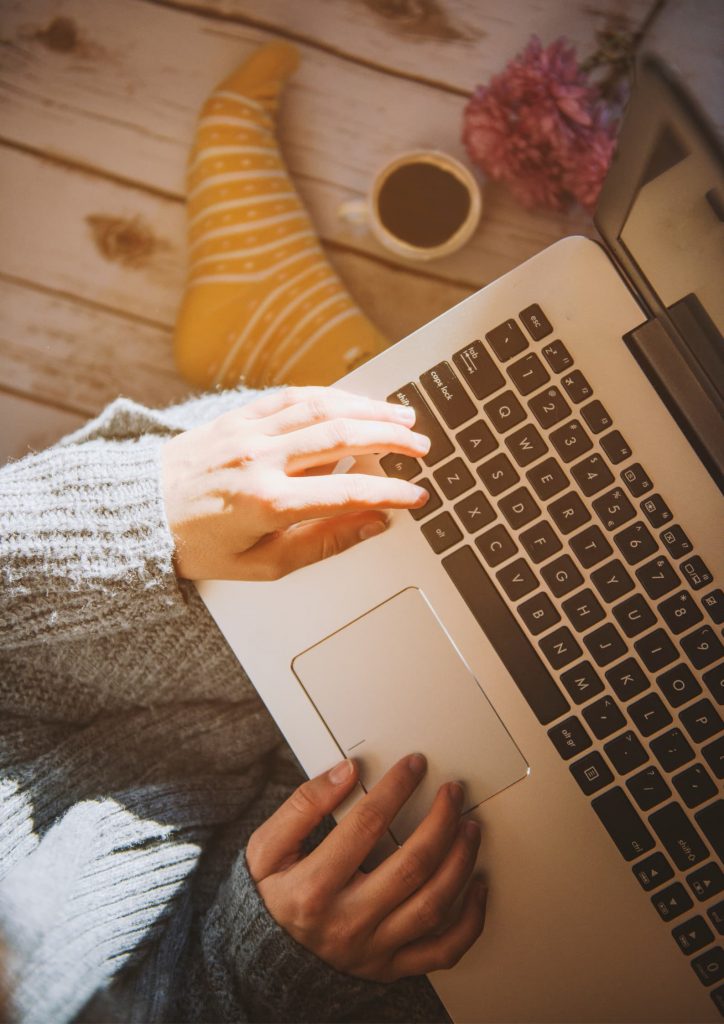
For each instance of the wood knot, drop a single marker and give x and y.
(130, 242)
(417, 17)
(61, 35)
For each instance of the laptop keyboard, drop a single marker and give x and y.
(594, 600)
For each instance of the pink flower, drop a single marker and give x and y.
(542, 128)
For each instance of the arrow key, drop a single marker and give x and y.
(693, 935)
(706, 881)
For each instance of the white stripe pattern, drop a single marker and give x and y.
(246, 226)
(233, 176)
(262, 275)
(218, 121)
(312, 340)
(238, 97)
(238, 149)
(233, 204)
(291, 338)
(257, 250)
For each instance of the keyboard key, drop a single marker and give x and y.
(678, 837)
(528, 374)
(627, 679)
(614, 509)
(615, 447)
(402, 467)
(596, 417)
(623, 823)
(711, 822)
(603, 717)
(559, 647)
(526, 445)
(702, 647)
(549, 407)
(716, 916)
(519, 507)
(478, 370)
(561, 575)
(653, 871)
(568, 512)
(569, 738)
(570, 441)
(706, 881)
(577, 387)
(605, 644)
(433, 502)
(547, 479)
(512, 646)
(498, 474)
(657, 577)
(425, 423)
(713, 603)
(540, 541)
(448, 395)
(635, 543)
(696, 574)
(676, 542)
(557, 356)
(504, 411)
(517, 579)
(592, 475)
(714, 680)
(702, 721)
(717, 996)
(714, 756)
(581, 682)
(672, 750)
(590, 547)
(454, 478)
(441, 532)
(693, 935)
(625, 752)
(539, 613)
(496, 546)
(656, 510)
(634, 615)
(477, 441)
(636, 479)
(475, 512)
(680, 612)
(710, 966)
(612, 580)
(583, 610)
(695, 786)
(535, 322)
(591, 773)
(672, 902)
(506, 340)
(649, 714)
(648, 788)
(678, 685)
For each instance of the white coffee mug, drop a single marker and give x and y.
(424, 204)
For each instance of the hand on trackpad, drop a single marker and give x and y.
(391, 682)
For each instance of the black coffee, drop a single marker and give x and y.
(423, 204)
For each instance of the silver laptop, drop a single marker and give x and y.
(548, 627)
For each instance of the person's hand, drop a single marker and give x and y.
(394, 921)
(238, 491)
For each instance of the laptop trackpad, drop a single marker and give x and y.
(391, 683)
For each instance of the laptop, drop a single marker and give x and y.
(548, 627)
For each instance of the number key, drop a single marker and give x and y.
(614, 509)
(680, 611)
(549, 407)
(528, 374)
(570, 441)
(592, 474)
(657, 577)
(635, 543)
(702, 647)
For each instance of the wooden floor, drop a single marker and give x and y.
(98, 103)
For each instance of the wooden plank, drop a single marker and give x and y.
(454, 43)
(28, 426)
(109, 102)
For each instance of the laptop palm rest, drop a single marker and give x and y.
(390, 683)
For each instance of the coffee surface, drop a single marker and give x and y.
(423, 204)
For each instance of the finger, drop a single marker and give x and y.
(336, 439)
(427, 910)
(409, 868)
(337, 859)
(443, 951)
(276, 844)
(321, 496)
(284, 552)
(333, 403)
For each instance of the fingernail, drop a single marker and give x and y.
(423, 497)
(340, 773)
(471, 831)
(406, 413)
(455, 793)
(417, 764)
(373, 529)
(421, 443)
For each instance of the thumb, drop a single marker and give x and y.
(275, 845)
(281, 553)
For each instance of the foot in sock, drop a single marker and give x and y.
(262, 304)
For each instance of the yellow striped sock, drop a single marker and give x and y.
(262, 304)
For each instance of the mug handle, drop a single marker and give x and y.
(355, 213)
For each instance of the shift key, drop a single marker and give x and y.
(711, 823)
(425, 423)
(678, 836)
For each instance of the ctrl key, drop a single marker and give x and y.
(623, 824)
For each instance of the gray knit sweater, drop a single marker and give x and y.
(135, 761)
